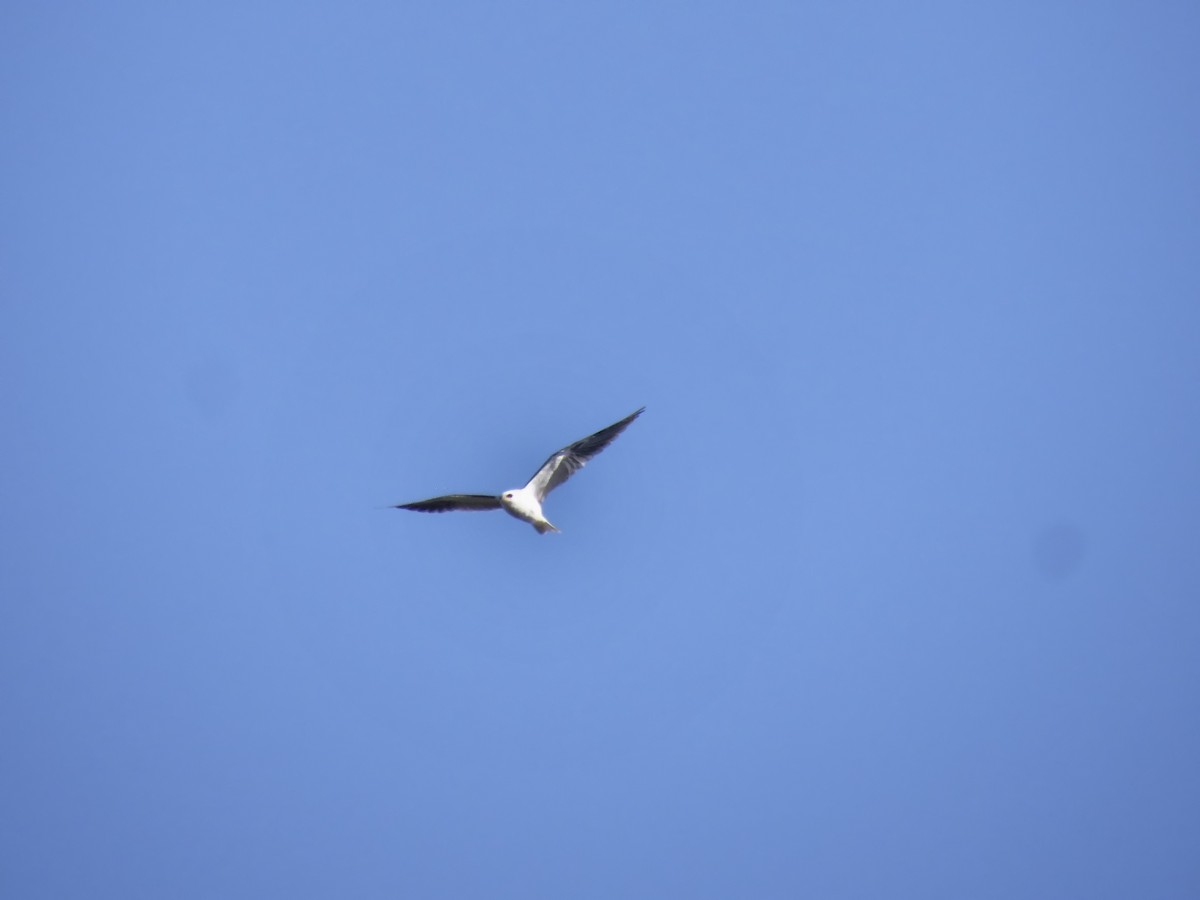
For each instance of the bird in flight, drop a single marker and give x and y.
(526, 503)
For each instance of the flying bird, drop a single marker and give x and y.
(526, 503)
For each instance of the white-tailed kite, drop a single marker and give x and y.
(526, 503)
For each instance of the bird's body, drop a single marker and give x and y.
(526, 503)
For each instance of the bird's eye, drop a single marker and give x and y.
(508, 496)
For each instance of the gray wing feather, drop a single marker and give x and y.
(452, 501)
(569, 460)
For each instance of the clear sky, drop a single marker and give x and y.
(893, 591)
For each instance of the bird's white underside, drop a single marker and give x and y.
(524, 504)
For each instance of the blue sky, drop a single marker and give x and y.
(892, 592)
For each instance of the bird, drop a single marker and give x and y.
(526, 503)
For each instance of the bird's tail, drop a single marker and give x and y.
(544, 526)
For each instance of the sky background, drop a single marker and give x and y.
(893, 591)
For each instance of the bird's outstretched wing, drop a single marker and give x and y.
(452, 501)
(569, 460)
